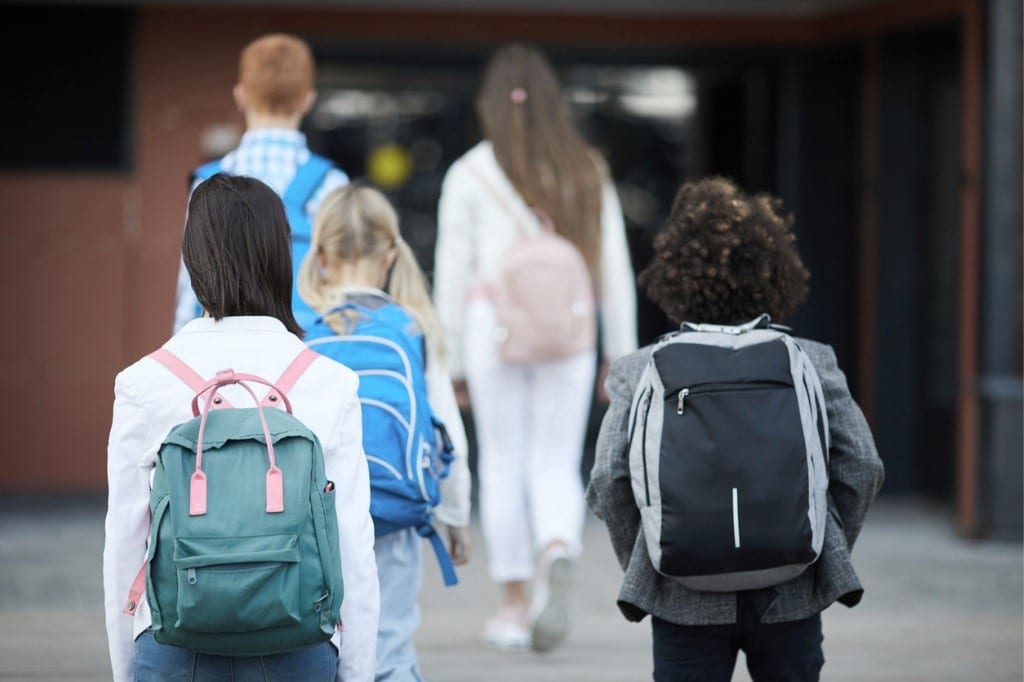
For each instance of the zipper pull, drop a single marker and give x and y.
(191, 576)
(681, 403)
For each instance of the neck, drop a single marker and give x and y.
(358, 274)
(256, 120)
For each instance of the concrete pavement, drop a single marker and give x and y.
(936, 607)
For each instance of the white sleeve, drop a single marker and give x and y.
(455, 489)
(618, 293)
(127, 522)
(345, 464)
(454, 262)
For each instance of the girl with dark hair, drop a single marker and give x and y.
(724, 258)
(236, 249)
(530, 415)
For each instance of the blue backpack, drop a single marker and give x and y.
(407, 447)
(308, 178)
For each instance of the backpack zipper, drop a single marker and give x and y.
(685, 393)
(681, 403)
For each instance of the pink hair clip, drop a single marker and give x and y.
(518, 95)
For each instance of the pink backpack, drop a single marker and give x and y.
(545, 299)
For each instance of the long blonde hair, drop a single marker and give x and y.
(356, 223)
(525, 116)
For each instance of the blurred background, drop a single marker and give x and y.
(891, 129)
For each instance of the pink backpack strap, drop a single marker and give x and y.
(277, 393)
(135, 593)
(506, 205)
(290, 376)
(178, 368)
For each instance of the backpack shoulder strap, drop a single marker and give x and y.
(503, 201)
(444, 560)
(290, 376)
(308, 178)
(178, 368)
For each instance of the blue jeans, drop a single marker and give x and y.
(400, 571)
(156, 662)
(776, 652)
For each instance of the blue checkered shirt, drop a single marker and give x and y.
(271, 155)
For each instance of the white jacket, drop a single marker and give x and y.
(475, 231)
(149, 401)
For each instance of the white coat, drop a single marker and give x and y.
(149, 400)
(475, 231)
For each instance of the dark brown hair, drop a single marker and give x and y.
(237, 250)
(523, 114)
(725, 257)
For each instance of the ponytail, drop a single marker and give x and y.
(312, 284)
(408, 287)
(354, 223)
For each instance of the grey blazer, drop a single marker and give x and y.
(855, 475)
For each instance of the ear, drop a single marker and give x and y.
(321, 262)
(238, 92)
(389, 258)
(309, 102)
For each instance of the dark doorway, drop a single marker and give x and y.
(919, 217)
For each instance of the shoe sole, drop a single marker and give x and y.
(552, 623)
(507, 645)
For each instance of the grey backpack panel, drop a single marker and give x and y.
(728, 457)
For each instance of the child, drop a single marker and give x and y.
(725, 258)
(274, 92)
(236, 250)
(359, 261)
(531, 441)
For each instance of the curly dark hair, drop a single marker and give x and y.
(725, 257)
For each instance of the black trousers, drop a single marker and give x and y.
(783, 652)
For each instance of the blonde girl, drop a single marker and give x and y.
(358, 263)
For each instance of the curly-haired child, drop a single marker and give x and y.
(725, 258)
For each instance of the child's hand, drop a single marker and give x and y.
(460, 544)
(461, 394)
(602, 374)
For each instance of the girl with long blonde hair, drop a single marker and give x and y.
(360, 268)
(532, 161)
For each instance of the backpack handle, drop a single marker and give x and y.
(227, 377)
(762, 322)
(275, 479)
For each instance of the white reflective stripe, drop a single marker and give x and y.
(735, 518)
(408, 378)
(378, 460)
(387, 408)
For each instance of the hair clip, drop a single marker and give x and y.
(518, 95)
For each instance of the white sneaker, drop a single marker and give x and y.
(508, 630)
(549, 611)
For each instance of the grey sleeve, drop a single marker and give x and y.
(855, 469)
(610, 493)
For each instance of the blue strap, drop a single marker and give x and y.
(207, 171)
(447, 569)
(308, 178)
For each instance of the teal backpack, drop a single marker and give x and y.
(243, 557)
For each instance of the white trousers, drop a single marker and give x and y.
(531, 423)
